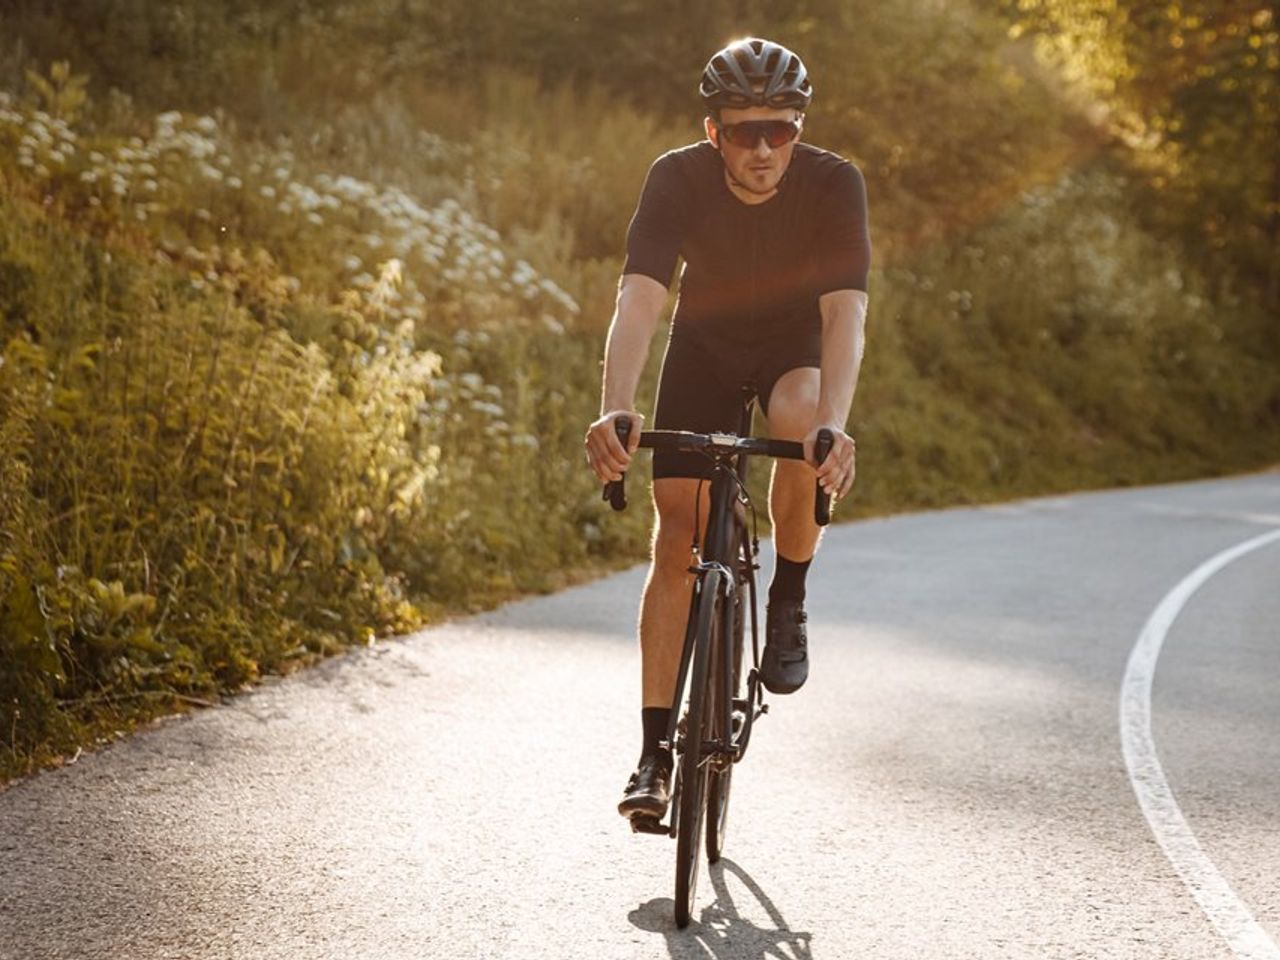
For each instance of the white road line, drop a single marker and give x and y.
(1231, 917)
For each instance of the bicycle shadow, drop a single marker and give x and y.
(720, 931)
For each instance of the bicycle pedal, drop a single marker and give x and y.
(643, 823)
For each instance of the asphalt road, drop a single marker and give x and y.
(950, 783)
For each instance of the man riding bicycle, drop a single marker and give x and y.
(776, 249)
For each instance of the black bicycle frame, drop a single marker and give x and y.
(729, 454)
(726, 483)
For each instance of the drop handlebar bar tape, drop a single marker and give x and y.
(615, 491)
(821, 499)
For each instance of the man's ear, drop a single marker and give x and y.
(712, 133)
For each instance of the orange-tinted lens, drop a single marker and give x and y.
(776, 133)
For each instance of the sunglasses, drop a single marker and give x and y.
(776, 133)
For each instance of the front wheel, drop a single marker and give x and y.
(693, 766)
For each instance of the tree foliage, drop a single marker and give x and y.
(1193, 87)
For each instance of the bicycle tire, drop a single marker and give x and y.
(693, 771)
(720, 778)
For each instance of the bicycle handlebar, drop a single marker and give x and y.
(615, 491)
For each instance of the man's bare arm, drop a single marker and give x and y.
(635, 319)
(844, 322)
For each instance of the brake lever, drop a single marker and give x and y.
(615, 491)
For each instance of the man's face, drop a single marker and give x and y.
(756, 169)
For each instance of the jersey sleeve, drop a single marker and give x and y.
(657, 229)
(843, 256)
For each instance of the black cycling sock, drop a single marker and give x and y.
(655, 720)
(788, 579)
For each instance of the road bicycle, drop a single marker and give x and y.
(713, 708)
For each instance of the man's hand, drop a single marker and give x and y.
(605, 452)
(837, 471)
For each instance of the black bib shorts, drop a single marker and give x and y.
(701, 389)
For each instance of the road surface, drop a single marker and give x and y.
(952, 782)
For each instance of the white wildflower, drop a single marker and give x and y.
(489, 409)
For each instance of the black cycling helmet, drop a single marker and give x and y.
(755, 73)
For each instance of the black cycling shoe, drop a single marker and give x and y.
(785, 664)
(649, 790)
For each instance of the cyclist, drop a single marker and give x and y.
(776, 248)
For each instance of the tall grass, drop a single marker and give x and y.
(252, 414)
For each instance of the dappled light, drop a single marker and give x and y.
(302, 304)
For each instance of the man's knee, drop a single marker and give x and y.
(792, 476)
(676, 512)
(793, 404)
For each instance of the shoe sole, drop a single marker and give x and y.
(774, 686)
(641, 808)
(781, 691)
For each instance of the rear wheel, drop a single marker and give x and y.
(691, 804)
(720, 777)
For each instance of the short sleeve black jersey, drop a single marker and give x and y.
(751, 271)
